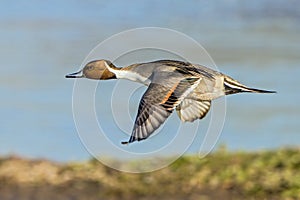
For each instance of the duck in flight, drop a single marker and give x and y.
(172, 85)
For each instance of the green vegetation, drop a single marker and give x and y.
(221, 175)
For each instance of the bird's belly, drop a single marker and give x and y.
(208, 90)
(206, 96)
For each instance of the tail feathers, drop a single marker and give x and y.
(233, 86)
(254, 90)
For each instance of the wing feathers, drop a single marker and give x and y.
(157, 104)
(190, 110)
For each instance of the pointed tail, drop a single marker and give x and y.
(233, 86)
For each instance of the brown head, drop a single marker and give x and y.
(95, 70)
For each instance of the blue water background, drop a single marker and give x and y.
(256, 42)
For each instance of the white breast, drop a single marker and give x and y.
(129, 75)
(133, 76)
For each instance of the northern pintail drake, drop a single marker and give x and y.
(188, 88)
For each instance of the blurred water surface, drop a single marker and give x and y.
(256, 42)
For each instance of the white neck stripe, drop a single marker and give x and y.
(125, 74)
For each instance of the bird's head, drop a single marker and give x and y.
(96, 69)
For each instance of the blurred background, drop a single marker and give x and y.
(256, 42)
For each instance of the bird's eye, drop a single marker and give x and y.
(90, 67)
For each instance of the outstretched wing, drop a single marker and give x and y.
(190, 109)
(157, 104)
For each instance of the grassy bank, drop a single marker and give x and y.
(221, 175)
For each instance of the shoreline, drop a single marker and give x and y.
(221, 175)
